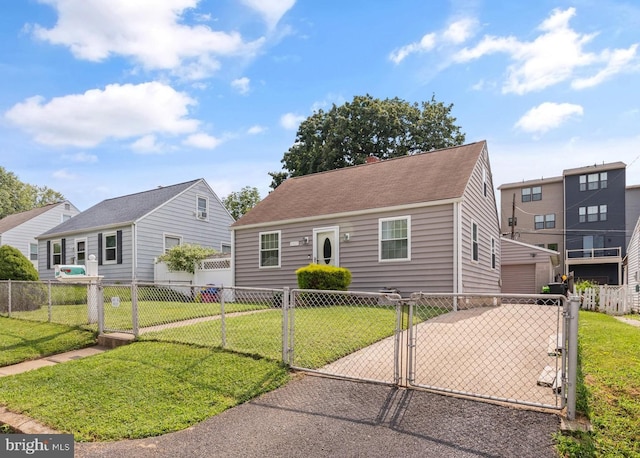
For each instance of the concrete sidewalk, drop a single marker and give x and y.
(51, 360)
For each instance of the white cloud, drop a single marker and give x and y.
(271, 10)
(150, 32)
(457, 32)
(291, 121)
(118, 112)
(202, 141)
(147, 144)
(547, 116)
(63, 174)
(556, 55)
(255, 130)
(427, 43)
(460, 31)
(80, 158)
(242, 85)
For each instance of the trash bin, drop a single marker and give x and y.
(557, 288)
(209, 294)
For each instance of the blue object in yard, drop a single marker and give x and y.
(209, 294)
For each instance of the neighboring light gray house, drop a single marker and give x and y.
(127, 233)
(426, 222)
(21, 229)
(527, 268)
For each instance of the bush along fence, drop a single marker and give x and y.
(508, 348)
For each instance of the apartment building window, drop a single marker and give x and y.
(594, 181)
(553, 246)
(544, 221)
(592, 213)
(531, 194)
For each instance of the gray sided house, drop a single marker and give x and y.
(527, 268)
(21, 229)
(127, 234)
(426, 222)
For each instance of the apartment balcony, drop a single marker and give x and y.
(594, 255)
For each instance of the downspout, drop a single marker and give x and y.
(233, 257)
(134, 250)
(457, 248)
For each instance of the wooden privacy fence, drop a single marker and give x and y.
(612, 300)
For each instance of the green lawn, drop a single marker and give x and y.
(150, 313)
(23, 340)
(608, 389)
(140, 390)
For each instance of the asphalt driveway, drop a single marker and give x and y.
(323, 417)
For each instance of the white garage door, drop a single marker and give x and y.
(519, 279)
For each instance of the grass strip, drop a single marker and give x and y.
(608, 389)
(23, 341)
(139, 390)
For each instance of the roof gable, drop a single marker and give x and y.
(12, 221)
(420, 178)
(120, 210)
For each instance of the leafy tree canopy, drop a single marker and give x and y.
(239, 203)
(16, 196)
(347, 134)
(183, 258)
(15, 266)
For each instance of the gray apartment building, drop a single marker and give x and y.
(582, 214)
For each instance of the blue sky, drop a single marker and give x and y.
(103, 98)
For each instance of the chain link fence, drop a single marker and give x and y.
(498, 347)
(49, 301)
(347, 334)
(505, 348)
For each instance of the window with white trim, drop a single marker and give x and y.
(56, 252)
(544, 221)
(475, 255)
(594, 181)
(592, 213)
(270, 249)
(110, 248)
(33, 251)
(493, 253)
(202, 207)
(225, 248)
(394, 238)
(81, 251)
(170, 241)
(531, 194)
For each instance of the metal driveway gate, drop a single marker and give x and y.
(509, 348)
(503, 348)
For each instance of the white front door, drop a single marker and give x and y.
(325, 246)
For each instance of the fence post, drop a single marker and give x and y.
(572, 357)
(100, 291)
(134, 307)
(49, 302)
(9, 301)
(285, 326)
(223, 324)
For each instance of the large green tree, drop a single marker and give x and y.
(239, 203)
(16, 196)
(345, 135)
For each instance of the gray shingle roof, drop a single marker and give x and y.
(11, 221)
(119, 210)
(425, 177)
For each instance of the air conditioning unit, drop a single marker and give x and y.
(202, 215)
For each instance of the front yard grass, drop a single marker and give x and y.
(608, 389)
(140, 390)
(24, 341)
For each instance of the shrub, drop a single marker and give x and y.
(316, 276)
(15, 266)
(183, 258)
